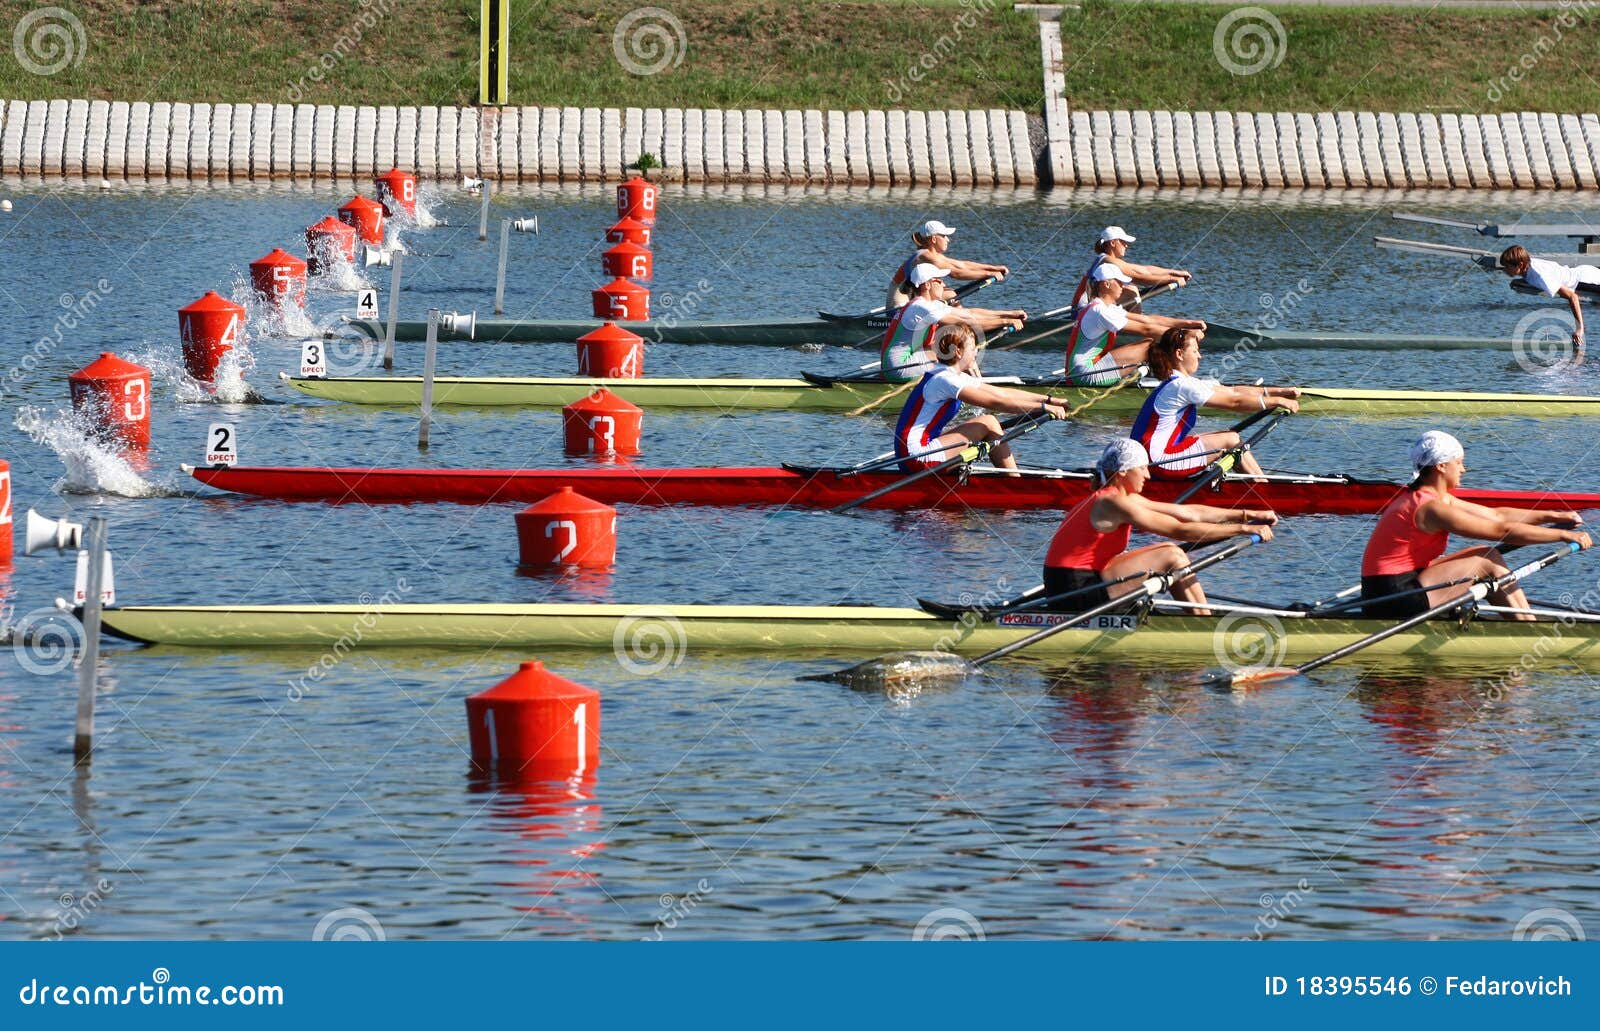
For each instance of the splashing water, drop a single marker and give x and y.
(264, 318)
(93, 466)
(336, 277)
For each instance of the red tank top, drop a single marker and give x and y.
(1396, 545)
(1078, 545)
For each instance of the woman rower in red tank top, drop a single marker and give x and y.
(1414, 529)
(1091, 546)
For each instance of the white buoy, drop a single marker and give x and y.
(5, 205)
(105, 184)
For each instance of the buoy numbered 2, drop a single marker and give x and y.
(313, 359)
(222, 444)
(367, 303)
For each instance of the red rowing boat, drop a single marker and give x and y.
(1287, 493)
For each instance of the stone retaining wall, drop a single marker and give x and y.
(101, 139)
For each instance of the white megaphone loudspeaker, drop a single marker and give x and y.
(469, 183)
(527, 225)
(44, 532)
(373, 256)
(459, 324)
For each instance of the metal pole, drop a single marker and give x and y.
(483, 213)
(394, 311)
(429, 356)
(500, 276)
(95, 541)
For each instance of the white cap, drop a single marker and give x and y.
(923, 271)
(1122, 455)
(1435, 447)
(1105, 270)
(1110, 233)
(934, 227)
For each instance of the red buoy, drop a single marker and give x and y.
(366, 216)
(636, 199)
(629, 230)
(279, 278)
(611, 352)
(567, 529)
(329, 243)
(627, 261)
(620, 299)
(115, 396)
(209, 328)
(5, 512)
(535, 724)
(602, 424)
(397, 191)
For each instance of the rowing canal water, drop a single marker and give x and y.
(231, 796)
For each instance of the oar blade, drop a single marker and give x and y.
(1247, 677)
(900, 670)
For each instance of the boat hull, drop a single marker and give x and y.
(804, 395)
(773, 486)
(867, 331)
(866, 630)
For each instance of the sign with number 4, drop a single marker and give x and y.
(222, 444)
(313, 359)
(367, 303)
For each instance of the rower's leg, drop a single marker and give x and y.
(1471, 562)
(984, 427)
(1222, 440)
(1155, 558)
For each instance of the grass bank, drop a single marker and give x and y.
(809, 53)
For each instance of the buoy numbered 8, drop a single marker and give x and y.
(222, 444)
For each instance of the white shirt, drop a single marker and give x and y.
(934, 401)
(1552, 277)
(905, 349)
(1165, 422)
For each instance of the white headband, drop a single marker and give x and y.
(1435, 447)
(1122, 455)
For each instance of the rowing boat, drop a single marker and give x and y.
(826, 394)
(868, 330)
(808, 630)
(982, 488)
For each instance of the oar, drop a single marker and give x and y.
(971, 288)
(1480, 590)
(1015, 428)
(940, 665)
(1223, 465)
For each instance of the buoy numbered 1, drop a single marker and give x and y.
(108, 583)
(313, 359)
(367, 303)
(222, 444)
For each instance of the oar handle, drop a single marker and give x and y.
(1151, 587)
(1220, 467)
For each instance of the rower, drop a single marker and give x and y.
(1112, 247)
(1107, 340)
(908, 344)
(1414, 529)
(1164, 423)
(1555, 279)
(1091, 545)
(933, 245)
(920, 438)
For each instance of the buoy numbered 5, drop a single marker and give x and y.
(535, 724)
(222, 444)
(114, 395)
(622, 300)
(603, 425)
(279, 278)
(567, 529)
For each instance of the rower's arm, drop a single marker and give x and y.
(1486, 524)
(1154, 325)
(1576, 305)
(1005, 399)
(1182, 522)
(1546, 517)
(960, 269)
(1253, 399)
(1153, 275)
(984, 318)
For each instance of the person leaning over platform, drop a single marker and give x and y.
(1554, 279)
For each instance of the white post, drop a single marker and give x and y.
(500, 276)
(483, 213)
(429, 357)
(95, 544)
(394, 311)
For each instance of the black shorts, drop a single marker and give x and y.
(1394, 608)
(1058, 580)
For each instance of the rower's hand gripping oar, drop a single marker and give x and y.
(915, 666)
(966, 456)
(961, 292)
(1224, 465)
(1480, 590)
(1129, 301)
